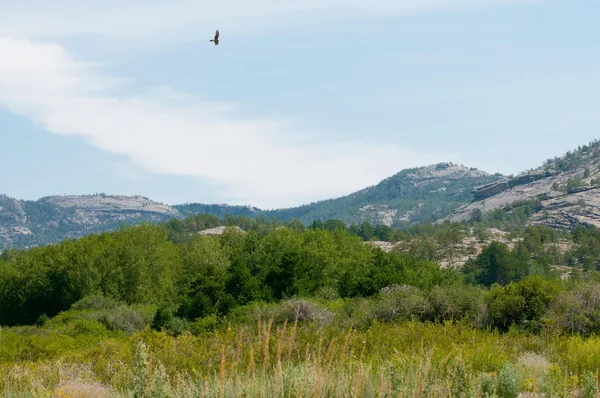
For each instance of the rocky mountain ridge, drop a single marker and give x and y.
(565, 192)
(53, 218)
(412, 195)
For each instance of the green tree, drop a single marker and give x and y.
(203, 277)
(493, 265)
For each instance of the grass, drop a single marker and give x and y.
(294, 359)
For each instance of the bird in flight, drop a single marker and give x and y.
(216, 39)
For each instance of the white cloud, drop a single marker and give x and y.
(256, 161)
(192, 19)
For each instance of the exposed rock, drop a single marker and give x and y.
(53, 218)
(494, 188)
(382, 213)
(559, 207)
(385, 246)
(219, 230)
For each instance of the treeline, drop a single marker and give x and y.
(190, 277)
(201, 275)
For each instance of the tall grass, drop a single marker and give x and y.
(294, 359)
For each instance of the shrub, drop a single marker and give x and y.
(521, 303)
(508, 382)
(461, 380)
(456, 303)
(96, 302)
(590, 386)
(86, 327)
(306, 311)
(487, 385)
(41, 321)
(576, 311)
(399, 303)
(206, 324)
(162, 317)
(125, 319)
(177, 326)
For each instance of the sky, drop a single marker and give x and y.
(301, 101)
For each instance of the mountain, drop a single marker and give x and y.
(412, 195)
(218, 210)
(563, 193)
(53, 218)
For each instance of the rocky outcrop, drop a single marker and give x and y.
(54, 218)
(220, 230)
(564, 199)
(485, 191)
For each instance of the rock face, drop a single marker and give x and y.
(53, 218)
(220, 230)
(485, 191)
(564, 198)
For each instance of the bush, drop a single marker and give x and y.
(125, 319)
(576, 311)
(456, 303)
(96, 302)
(590, 386)
(41, 321)
(177, 326)
(206, 324)
(508, 382)
(487, 385)
(86, 327)
(521, 303)
(400, 303)
(306, 311)
(162, 317)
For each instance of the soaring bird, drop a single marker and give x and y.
(216, 39)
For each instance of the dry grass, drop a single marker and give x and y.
(289, 360)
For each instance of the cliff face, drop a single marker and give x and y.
(567, 190)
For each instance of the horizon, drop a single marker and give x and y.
(299, 103)
(250, 205)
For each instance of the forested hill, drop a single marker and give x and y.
(422, 194)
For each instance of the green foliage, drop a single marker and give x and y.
(590, 386)
(461, 380)
(521, 303)
(134, 265)
(508, 382)
(495, 264)
(576, 311)
(162, 318)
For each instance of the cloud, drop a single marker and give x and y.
(260, 161)
(166, 20)
(256, 161)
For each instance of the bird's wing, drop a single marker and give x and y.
(217, 35)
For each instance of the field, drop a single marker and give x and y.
(75, 356)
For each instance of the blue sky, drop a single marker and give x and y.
(301, 100)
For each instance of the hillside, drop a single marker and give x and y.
(562, 193)
(412, 195)
(53, 218)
